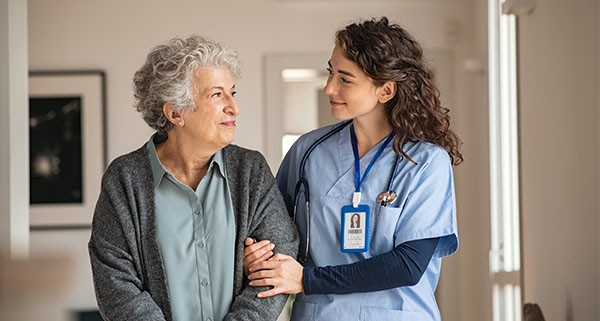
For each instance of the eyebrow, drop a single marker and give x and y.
(219, 88)
(347, 73)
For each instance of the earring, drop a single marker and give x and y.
(181, 123)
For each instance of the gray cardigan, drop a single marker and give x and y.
(128, 270)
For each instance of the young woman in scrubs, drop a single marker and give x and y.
(392, 165)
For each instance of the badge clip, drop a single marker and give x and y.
(355, 199)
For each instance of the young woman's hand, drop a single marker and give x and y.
(281, 272)
(256, 253)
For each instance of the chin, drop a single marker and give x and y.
(339, 116)
(226, 141)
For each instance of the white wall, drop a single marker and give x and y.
(116, 35)
(471, 294)
(300, 110)
(14, 155)
(559, 52)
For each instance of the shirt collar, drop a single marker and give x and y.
(158, 170)
(220, 162)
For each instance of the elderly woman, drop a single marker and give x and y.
(170, 222)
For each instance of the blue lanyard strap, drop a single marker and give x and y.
(357, 180)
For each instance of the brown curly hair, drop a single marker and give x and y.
(386, 52)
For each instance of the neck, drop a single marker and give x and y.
(187, 163)
(370, 131)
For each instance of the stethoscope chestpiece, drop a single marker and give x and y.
(386, 198)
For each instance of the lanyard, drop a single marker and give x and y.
(357, 180)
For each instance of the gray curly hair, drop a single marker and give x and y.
(167, 76)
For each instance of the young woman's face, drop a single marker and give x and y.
(351, 92)
(355, 219)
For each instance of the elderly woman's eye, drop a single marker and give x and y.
(233, 94)
(216, 95)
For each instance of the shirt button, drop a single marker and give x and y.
(197, 212)
(204, 282)
(201, 244)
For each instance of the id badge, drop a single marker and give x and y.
(355, 228)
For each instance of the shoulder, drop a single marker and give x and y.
(304, 142)
(242, 162)
(427, 154)
(238, 151)
(240, 156)
(300, 147)
(127, 179)
(432, 162)
(248, 174)
(127, 166)
(309, 138)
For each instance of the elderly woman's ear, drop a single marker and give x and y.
(173, 116)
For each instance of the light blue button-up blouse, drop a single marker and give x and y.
(196, 233)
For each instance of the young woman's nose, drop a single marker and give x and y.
(330, 89)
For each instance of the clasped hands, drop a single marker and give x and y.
(263, 268)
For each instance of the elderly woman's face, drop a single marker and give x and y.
(212, 123)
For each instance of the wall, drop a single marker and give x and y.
(559, 108)
(14, 155)
(470, 293)
(116, 35)
(300, 112)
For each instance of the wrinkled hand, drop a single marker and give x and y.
(281, 272)
(256, 252)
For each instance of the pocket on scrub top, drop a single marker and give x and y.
(303, 311)
(385, 314)
(384, 228)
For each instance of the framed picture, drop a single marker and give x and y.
(67, 146)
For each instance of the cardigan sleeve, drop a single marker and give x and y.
(267, 220)
(117, 271)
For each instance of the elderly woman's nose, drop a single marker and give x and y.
(232, 107)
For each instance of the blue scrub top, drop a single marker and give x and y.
(424, 208)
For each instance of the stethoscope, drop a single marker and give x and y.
(384, 199)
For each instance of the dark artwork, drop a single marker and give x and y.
(86, 316)
(55, 152)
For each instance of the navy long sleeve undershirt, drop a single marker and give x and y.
(402, 266)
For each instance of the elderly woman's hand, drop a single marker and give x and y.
(281, 272)
(256, 252)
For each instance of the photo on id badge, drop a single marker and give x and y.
(355, 222)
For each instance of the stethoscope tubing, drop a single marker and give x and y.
(303, 186)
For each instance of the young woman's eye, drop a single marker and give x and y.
(344, 80)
